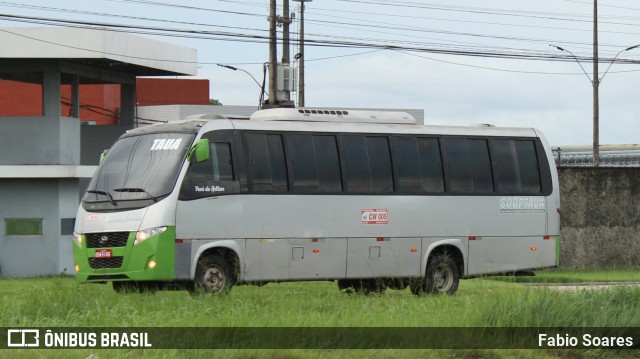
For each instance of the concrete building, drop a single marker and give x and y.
(40, 156)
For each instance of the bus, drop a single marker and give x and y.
(368, 199)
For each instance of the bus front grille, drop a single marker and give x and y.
(107, 239)
(99, 263)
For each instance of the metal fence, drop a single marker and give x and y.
(607, 159)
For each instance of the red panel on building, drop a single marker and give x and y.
(152, 92)
(101, 103)
(98, 103)
(20, 98)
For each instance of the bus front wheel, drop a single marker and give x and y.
(213, 275)
(441, 277)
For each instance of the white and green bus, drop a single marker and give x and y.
(368, 199)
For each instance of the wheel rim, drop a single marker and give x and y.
(443, 278)
(213, 279)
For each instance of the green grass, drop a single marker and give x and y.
(553, 276)
(61, 302)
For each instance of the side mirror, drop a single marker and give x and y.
(103, 155)
(200, 149)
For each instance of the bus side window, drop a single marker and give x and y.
(314, 165)
(516, 164)
(367, 163)
(418, 165)
(212, 177)
(267, 168)
(468, 165)
(222, 162)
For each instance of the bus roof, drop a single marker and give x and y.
(286, 119)
(334, 127)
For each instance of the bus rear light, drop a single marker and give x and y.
(546, 238)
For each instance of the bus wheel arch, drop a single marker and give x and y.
(217, 271)
(443, 271)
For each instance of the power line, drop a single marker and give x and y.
(217, 35)
(364, 27)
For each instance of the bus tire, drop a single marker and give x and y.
(213, 276)
(441, 277)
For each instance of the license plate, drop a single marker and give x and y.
(103, 253)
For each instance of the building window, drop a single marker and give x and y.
(23, 226)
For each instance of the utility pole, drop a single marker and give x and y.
(273, 54)
(286, 21)
(596, 85)
(301, 58)
(286, 56)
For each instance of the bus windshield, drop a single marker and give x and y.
(137, 171)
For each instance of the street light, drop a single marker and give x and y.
(615, 58)
(595, 82)
(248, 73)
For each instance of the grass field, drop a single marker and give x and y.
(483, 302)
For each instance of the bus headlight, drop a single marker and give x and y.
(147, 233)
(77, 237)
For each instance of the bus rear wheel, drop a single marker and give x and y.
(213, 275)
(441, 277)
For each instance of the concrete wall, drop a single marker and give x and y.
(39, 140)
(52, 200)
(600, 211)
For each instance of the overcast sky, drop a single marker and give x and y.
(459, 60)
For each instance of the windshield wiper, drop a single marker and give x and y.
(104, 193)
(136, 189)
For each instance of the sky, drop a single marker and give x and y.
(463, 62)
